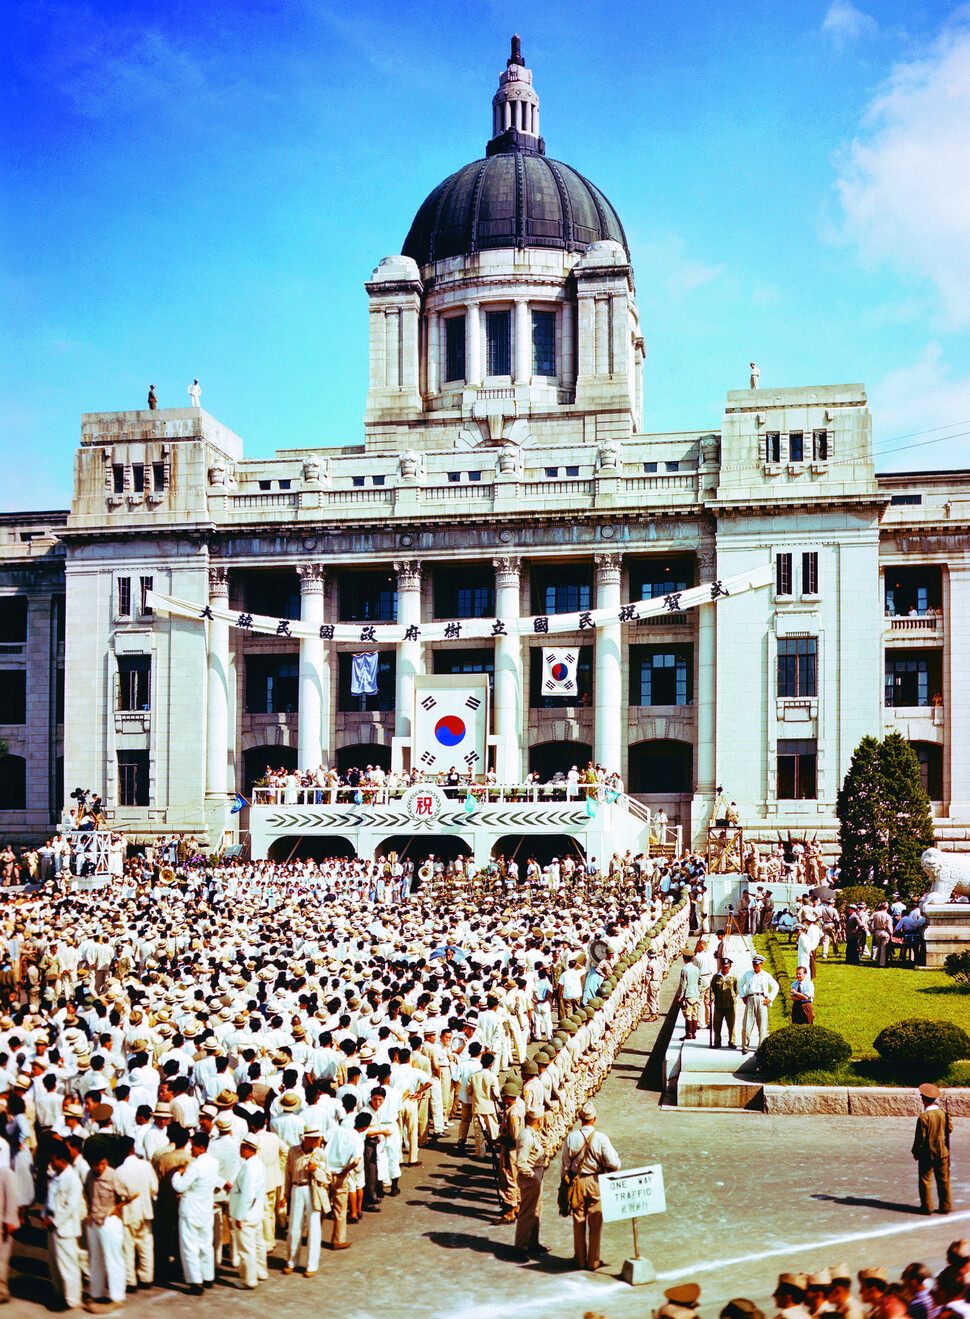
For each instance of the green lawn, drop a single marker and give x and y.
(858, 1001)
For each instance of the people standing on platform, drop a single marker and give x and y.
(758, 991)
(724, 998)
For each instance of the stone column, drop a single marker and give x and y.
(432, 372)
(217, 690)
(523, 343)
(508, 672)
(705, 704)
(956, 705)
(314, 667)
(607, 709)
(409, 651)
(567, 356)
(473, 344)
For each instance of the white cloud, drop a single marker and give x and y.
(921, 415)
(905, 179)
(844, 24)
(667, 271)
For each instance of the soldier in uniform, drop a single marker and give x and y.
(931, 1150)
(724, 996)
(510, 1124)
(529, 1170)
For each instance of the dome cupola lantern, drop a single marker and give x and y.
(515, 109)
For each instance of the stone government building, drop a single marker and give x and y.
(504, 467)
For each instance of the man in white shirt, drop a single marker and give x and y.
(138, 1178)
(345, 1156)
(196, 1185)
(62, 1218)
(246, 1208)
(757, 990)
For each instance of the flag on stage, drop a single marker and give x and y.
(470, 803)
(450, 723)
(238, 804)
(559, 671)
(611, 796)
(363, 674)
(591, 806)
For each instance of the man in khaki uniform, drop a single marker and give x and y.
(931, 1150)
(483, 1088)
(529, 1170)
(510, 1124)
(587, 1153)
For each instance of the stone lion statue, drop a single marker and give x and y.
(947, 872)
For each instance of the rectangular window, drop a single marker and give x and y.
(906, 499)
(538, 700)
(145, 585)
(382, 699)
(672, 467)
(284, 485)
(466, 661)
(118, 478)
(265, 485)
(914, 591)
(133, 772)
(138, 478)
(368, 597)
(562, 588)
(377, 480)
(455, 348)
(544, 343)
(499, 340)
(454, 476)
(124, 597)
(274, 594)
(13, 696)
(552, 473)
(810, 572)
(357, 480)
(796, 447)
(59, 696)
(650, 579)
(13, 619)
(797, 666)
(772, 446)
(572, 471)
(474, 476)
(915, 680)
(797, 775)
(134, 682)
(820, 446)
(158, 476)
(467, 592)
(662, 675)
(649, 468)
(272, 684)
(783, 574)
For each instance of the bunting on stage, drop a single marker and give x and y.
(542, 625)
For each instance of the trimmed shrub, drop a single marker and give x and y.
(796, 1049)
(957, 966)
(867, 893)
(919, 1048)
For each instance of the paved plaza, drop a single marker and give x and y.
(748, 1197)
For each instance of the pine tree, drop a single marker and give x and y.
(861, 810)
(908, 818)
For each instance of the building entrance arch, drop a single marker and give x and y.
(310, 847)
(550, 758)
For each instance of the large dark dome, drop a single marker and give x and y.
(513, 198)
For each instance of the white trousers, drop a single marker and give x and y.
(65, 1267)
(755, 1019)
(542, 1020)
(106, 1249)
(195, 1247)
(250, 1249)
(301, 1212)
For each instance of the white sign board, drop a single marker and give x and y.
(632, 1193)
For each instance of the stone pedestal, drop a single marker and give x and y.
(638, 1271)
(947, 930)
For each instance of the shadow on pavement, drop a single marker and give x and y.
(870, 1203)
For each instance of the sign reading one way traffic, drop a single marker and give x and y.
(632, 1193)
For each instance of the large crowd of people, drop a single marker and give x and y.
(201, 1064)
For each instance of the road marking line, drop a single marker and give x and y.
(825, 1244)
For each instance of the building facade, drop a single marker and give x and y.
(504, 469)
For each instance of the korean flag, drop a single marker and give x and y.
(450, 724)
(559, 672)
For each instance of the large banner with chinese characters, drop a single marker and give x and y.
(450, 722)
(541, 625)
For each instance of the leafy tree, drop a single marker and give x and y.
(861, 812)
(908, 818)
(885, 818)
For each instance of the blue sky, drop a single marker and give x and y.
(203, 190)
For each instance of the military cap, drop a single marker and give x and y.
(741, 1308)
(510, 1090)
(529, 1068)
(102, 1112)
(929, 1091)
(688, 1293)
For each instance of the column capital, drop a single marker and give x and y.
(608, 568)
(218, 582)
(707, 559)
(313, 578)
(507, 570)
(408, 574)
